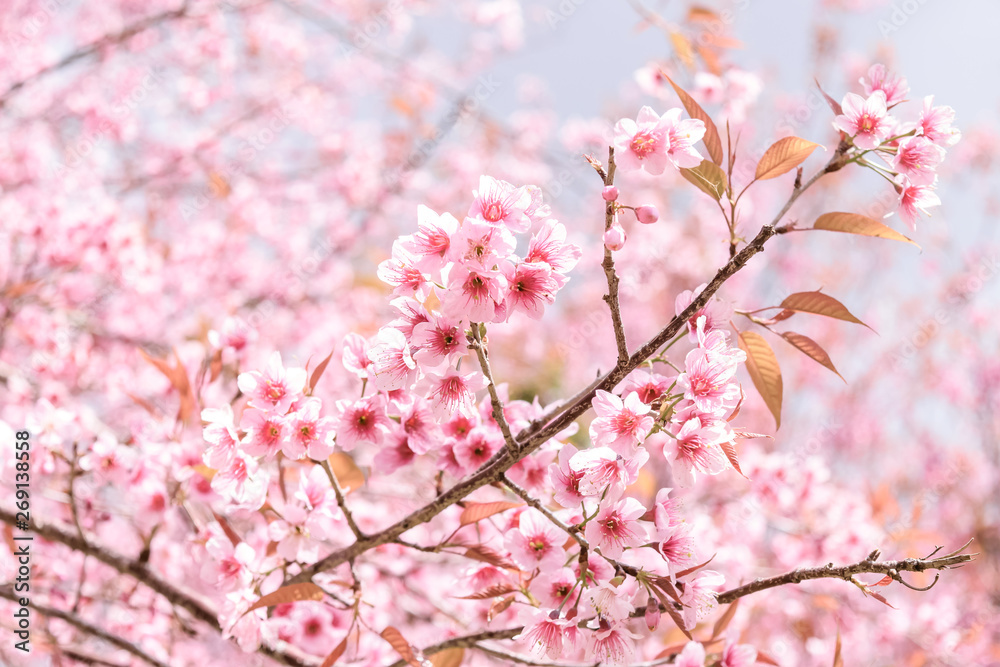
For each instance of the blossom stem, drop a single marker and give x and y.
(611, 298)
(342, 500)
(476, 343)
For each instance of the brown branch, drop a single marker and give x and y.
(78, 623)
(540, 431)
(870, 565)
(342, 500)
(476, 343)
(140, 572)
(467, 641)
(96, 46)
(528, 660)
(611, 298)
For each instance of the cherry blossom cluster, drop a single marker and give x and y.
(912, 151)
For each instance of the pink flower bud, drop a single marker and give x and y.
(614, 237)
(647, 215)
(610, 193)
(652, 613)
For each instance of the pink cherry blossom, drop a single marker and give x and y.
(536, 543)
(274, 389)
(917, 158)
(401, 271)
(477, 448)
(432, 240)
(549, 245)
(614, 645)
(543, 631)
(555, 586)
(699, 596)
(473, 294)
(915, 199)
(716, 312)
(452, 392)
(500, 203)
(620, 424)
(438, 340)
(893, 86)
(220, 433)
(866, 120)
(616, 527)
(566, 480)
(392, 366)
(693, 655)
(242, 481)
(602, 470)
(309, 433)
(935, 123)
(360, 421)
(697, 446)
(651, 142)
(530, 287)
(738, 655)
(265, 432)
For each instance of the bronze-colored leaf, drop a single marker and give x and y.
(692, 570)
(730, 449)
(485, 554)
(766, 659)
(474, 512)
(783, 156)
(683, 49)
(725, 620)
(707, 177)
(499, 607)
(450, 657)
(401, 646)
(853, 223)
(711, 139)
(318, 372)
(764, 370)
(288, 594)
(215, 365)
(178, 377)
(811, 349)
(348, 474)
(818, 303)
(226, 528)
(335, 654)
(494, 591)
(838, 660)
(833, 104)
(671, 610)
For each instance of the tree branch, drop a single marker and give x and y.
(95, 46)
(476, 343)
(535, 435)
(611, 298)
(467, 641)
(141, 573)
(892, 568)
(78, 623)
(342, 500)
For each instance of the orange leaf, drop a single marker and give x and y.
(834, 104)
(348, 474)
(287, 594)
(494, 591)
(730, 450)
(215, 365)
(484, 554)
(683, 48)
(178, 377)
(226, 528)
(764, 370)
(766, 659)
(707, 177)
(852, 223)
(474, 512)
(838, 660)
(818, 303)
(219, 186)
(499, 607)
(692, 570)
(811, 349)
(711, 139)
(450, 657)
(724, 620)
(699, 13)
(318, 373)
(783, 156)
(401, 646)
(335, 654)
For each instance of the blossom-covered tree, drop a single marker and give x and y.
(309, 358)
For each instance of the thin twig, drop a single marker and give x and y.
(847, 573)
(140, 572)
(342, 500)
(467, 641)
(82, 625)
(476, 343)
(611, 298)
